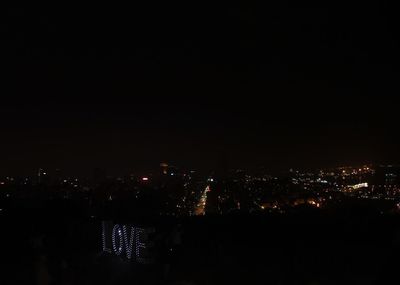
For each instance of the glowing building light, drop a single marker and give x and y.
(145, 179)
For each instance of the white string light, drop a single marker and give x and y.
(132, 239)
(105, 249)
(142, 244)
(117, 230)
(128, 245)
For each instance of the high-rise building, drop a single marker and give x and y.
(164, 168)
(41, 176)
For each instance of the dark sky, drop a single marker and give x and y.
(125, 87)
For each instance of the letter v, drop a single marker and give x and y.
(128, 242)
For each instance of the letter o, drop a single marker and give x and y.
(117, 239)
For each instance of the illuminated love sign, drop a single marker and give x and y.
(127, 241)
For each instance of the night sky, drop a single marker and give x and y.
(126, 87)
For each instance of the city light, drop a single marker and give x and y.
(358, 186)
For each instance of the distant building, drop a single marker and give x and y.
(167, 169)
(42, 176)
(387, 175)
(164, 168)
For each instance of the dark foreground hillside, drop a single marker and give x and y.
(305, 247)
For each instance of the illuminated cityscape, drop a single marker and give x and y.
(151, 217)
(199, 143)
(176, 192)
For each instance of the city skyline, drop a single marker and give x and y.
(155, 169)
(199, 142)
